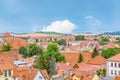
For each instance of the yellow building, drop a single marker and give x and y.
(7, 75)
(95, 77)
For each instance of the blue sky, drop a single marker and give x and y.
(65, 16)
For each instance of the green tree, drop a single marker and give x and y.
(104, 72)
(101, 72)
(61, 42)
(52, 49)
(80, 59)
(6, 47)
(23, 51)
(33, 49)
(43, 60)
(104, 38)
(95, 52)
(36, 40)
(52, 69)
(110, 52)
(79, 37)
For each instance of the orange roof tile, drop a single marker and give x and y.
(97, 60)
(7, 34)
(85, 67)
(117, 78)
(17, 43)
(72, 57)
(45, 74)
(25, 73)
(115, 58)
(7, 59)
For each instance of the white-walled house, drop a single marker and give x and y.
(113, 66)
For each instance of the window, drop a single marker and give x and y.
(5, 74)
(115, 72)
(119, 72)
(14, 78)
(111, 64)
(115, 64)
(111, 72)
(9, 72)
(119, 65)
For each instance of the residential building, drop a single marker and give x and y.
(113, 66)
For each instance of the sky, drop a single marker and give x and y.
(64, 16)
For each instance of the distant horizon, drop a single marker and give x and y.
(60, 33)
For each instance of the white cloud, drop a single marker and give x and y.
(91, 21)
(64, 26)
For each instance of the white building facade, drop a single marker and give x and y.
(113, 66)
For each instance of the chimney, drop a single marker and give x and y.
(31, 69)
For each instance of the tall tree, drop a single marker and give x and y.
(80, 59)
(43, 60)
(52, 49)
(23, 51)
(95, 52)
(6, 47)
(33, 49)
(52, 69)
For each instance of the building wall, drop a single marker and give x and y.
(95, 77)
(2, 77)
(39, 76)
(113, 70)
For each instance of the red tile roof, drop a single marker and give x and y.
(72, 57)
(17, 43)
(85, 67)
(117, 78)
(7, 35)
(97, 60)
(7, 59)
(45, 74)
(25, 73)
(115, 58)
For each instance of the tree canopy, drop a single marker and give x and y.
(95, 52)
(43, 60)
(80, 59)
(79, 37)
(23, 51)
(110, 52)
(31, 50)
(34, 49)
(6, 47)
(104, 40)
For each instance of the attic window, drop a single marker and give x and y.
(40, 77)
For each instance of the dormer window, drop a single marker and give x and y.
(9, 72)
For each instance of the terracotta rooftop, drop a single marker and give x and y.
(117, 78)
(25, 73)
(115, 58)
(45, 74)
(17, 43)
(7, 59)
(7, 35)
(72, 57)
(97, 60)
(86, 67)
